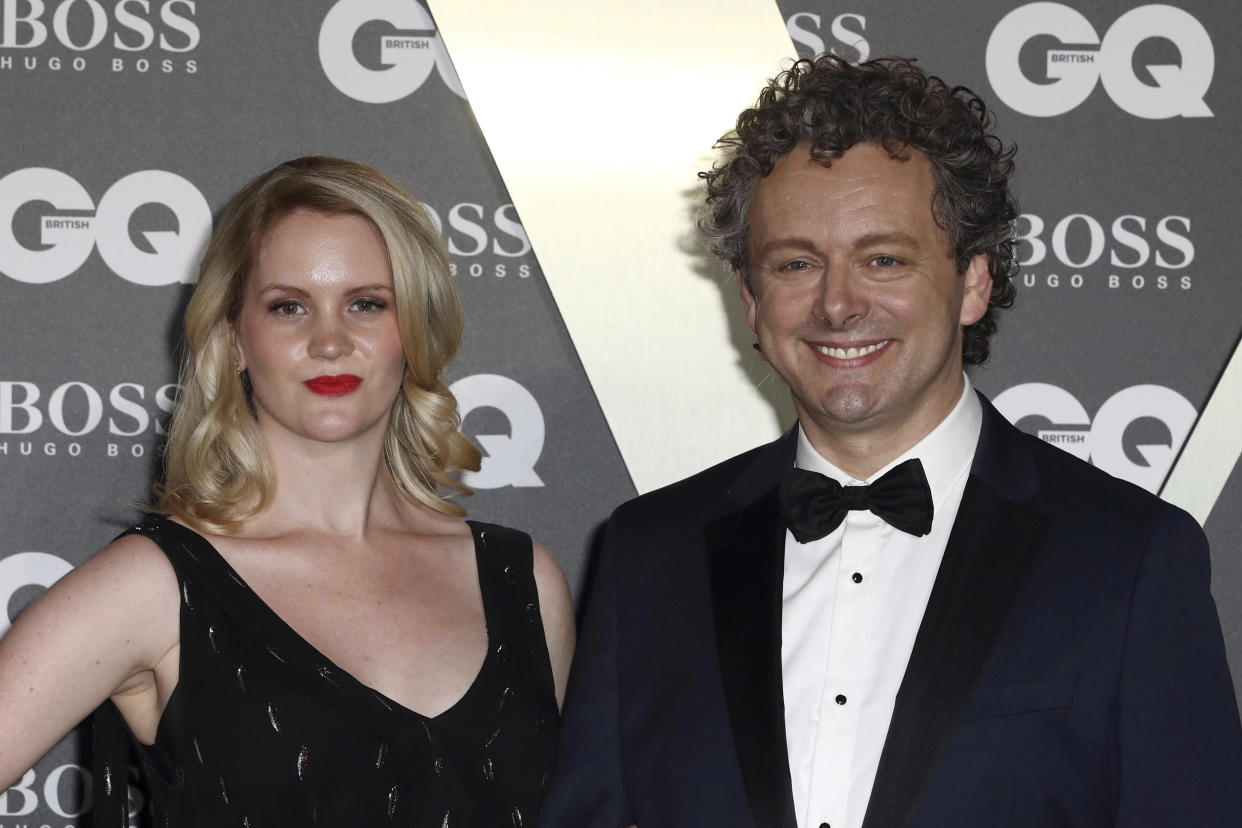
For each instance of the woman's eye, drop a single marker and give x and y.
(288, 307)
(368, 305)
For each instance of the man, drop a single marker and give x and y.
(904, 612)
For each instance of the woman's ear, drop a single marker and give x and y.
(235, 351)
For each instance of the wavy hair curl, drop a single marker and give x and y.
(830, 105)
(216, 469)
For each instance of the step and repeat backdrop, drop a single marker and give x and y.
(127, 124)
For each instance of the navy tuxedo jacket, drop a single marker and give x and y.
(1069, 669)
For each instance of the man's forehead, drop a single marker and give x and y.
(862, 159)
(863, 178)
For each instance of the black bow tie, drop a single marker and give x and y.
(813, 505)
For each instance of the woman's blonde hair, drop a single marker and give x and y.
(216, 469)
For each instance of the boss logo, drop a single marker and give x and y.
(846, 29)
(1107, 441)
(474, 231)
(1178, 90)
(60, 791)
(68, 240)
(409, 58)
(1080, 240)
(510, 458)
(76, 408)
(79, 25)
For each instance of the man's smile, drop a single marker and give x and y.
(851, 351)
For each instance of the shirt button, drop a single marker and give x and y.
(824, 825)
(856, 577)
(840, 699)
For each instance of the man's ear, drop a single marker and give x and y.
(977, 290)
(749, 300)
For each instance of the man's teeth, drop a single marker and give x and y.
(850, 353)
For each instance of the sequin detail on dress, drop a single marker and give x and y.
(264, 730)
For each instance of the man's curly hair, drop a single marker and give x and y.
(831, 105)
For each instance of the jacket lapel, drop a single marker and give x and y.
(985, 564)
(745, 560)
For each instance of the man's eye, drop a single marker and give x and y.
(796, 265)
(884, 261)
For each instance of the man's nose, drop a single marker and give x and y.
(841, 300)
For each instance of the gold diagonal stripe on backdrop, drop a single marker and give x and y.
(1212, 449)
(599, 114)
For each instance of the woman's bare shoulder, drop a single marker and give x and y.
(132, 562)
(557, 609)
(130, 581)
(104, 623)
(548, 573)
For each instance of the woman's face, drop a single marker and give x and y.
(317, 332)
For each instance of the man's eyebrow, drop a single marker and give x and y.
(785, 241)
(890, 237)
(869, 240)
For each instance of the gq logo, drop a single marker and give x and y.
(1179, 90)
(409, 58)
(68, 240)
(511, 457)
(26, 569)
(1103, 441)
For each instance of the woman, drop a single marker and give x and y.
(311, 635)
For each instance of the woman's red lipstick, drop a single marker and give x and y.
(333, 385)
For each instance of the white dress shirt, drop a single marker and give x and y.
(851, 608)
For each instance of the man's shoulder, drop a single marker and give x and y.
(1073, 486)
(707, 494)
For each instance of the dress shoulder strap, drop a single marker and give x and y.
(506, 571)
(510, 598)
(174, 540)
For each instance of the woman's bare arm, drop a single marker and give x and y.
(99, 631)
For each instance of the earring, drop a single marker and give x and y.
(236, 369)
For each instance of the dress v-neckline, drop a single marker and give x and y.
(296, 652)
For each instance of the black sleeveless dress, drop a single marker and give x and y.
(263, 730)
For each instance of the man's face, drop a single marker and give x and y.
(855, 298)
